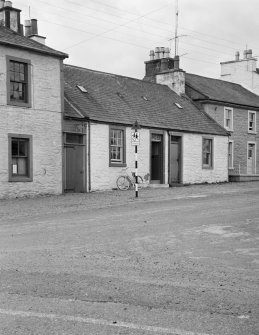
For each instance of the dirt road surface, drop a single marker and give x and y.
(174, 261)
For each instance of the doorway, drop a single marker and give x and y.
(156, 158)
(74, 163)
(251, 158)
(175, 160)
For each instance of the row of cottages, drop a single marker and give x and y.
(179, 143)
(31, 101)
(51, 142)
(231, 105)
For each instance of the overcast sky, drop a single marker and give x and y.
(116, 35)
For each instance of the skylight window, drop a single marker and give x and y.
(178, 105)
(145, 98)
(81, 88)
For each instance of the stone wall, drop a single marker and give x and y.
(240, 135)
(42, 121)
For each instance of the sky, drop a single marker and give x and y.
(116, 36)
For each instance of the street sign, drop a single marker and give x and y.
(135, 138)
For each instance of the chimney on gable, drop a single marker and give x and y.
(165, 70)
(31, 31)
(10, 16)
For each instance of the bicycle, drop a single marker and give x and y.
(125, 181)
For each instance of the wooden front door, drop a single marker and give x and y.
(251, 159)
(157, 158)
(74, 164)
(175, 159)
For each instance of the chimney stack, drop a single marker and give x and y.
(31, 31)
(9, 16)
(163, 69)
(237, 55)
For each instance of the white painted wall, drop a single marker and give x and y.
(242, 72)
(42, 121)
(104, 177)
(192, 160)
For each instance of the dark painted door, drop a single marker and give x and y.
(157, 158)
(175, 159)
(75, 175)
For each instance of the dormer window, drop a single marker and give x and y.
(18, 82)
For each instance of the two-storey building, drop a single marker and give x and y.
(31, 100)
(237, 110)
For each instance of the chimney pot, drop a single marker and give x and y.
(249, 53)
(8, 4)
(176, 63)
(162, 52)
(27, 27)
(167, 52)
(157, 53)
(152, 55)
(34, 27)
(237, 56)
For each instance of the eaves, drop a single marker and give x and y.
(27, 48)
(227, 103)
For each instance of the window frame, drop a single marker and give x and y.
(13, 178)
(121, 163)
(231, 166)
(226, 109)
(253, 131)
(27, 64)
(209, 166)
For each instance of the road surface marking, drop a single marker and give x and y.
(99, 322)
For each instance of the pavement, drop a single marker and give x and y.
(43, 205)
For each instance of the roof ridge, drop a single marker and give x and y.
(116, 75)
(221, 80)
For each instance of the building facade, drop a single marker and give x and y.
(179, 144)
(237, 110)
(31, 102)
(242, 71)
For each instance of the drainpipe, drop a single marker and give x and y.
(89, 156)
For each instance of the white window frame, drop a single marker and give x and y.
(253, 131)
(255, 148)
(15, 177)
(231, 165)
(210, 165)
(226, 110)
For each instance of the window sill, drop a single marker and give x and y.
(112, 164)
(252, 132)
(19, 104)
(207, 167)
(20, 179)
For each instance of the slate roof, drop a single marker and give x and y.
(117, 99)
(221, 91)
(11, 38)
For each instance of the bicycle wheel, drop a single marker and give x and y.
(140, 182)
(123, 183)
